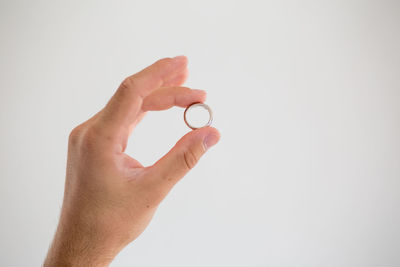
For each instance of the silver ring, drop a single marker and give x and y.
(206, 107)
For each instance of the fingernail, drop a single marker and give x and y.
(179, 58)
(200, 92)
(210, 140)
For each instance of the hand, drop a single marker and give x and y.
(110, 197)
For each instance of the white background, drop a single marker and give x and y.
(306, 95)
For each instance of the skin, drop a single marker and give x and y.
(109, 197)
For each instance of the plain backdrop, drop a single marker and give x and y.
(306, 95)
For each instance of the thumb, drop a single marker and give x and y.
(183, 156)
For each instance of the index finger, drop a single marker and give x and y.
(124, 107)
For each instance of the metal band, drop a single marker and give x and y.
(206, 107)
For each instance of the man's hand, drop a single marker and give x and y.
(110, 197)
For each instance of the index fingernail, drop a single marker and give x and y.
(179, 58)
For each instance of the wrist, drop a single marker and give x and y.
(81, 244)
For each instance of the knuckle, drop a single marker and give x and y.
(75, 135)
(190, 159)
(165, 61)
(127, 84)
(83, 137)
(89, 138)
